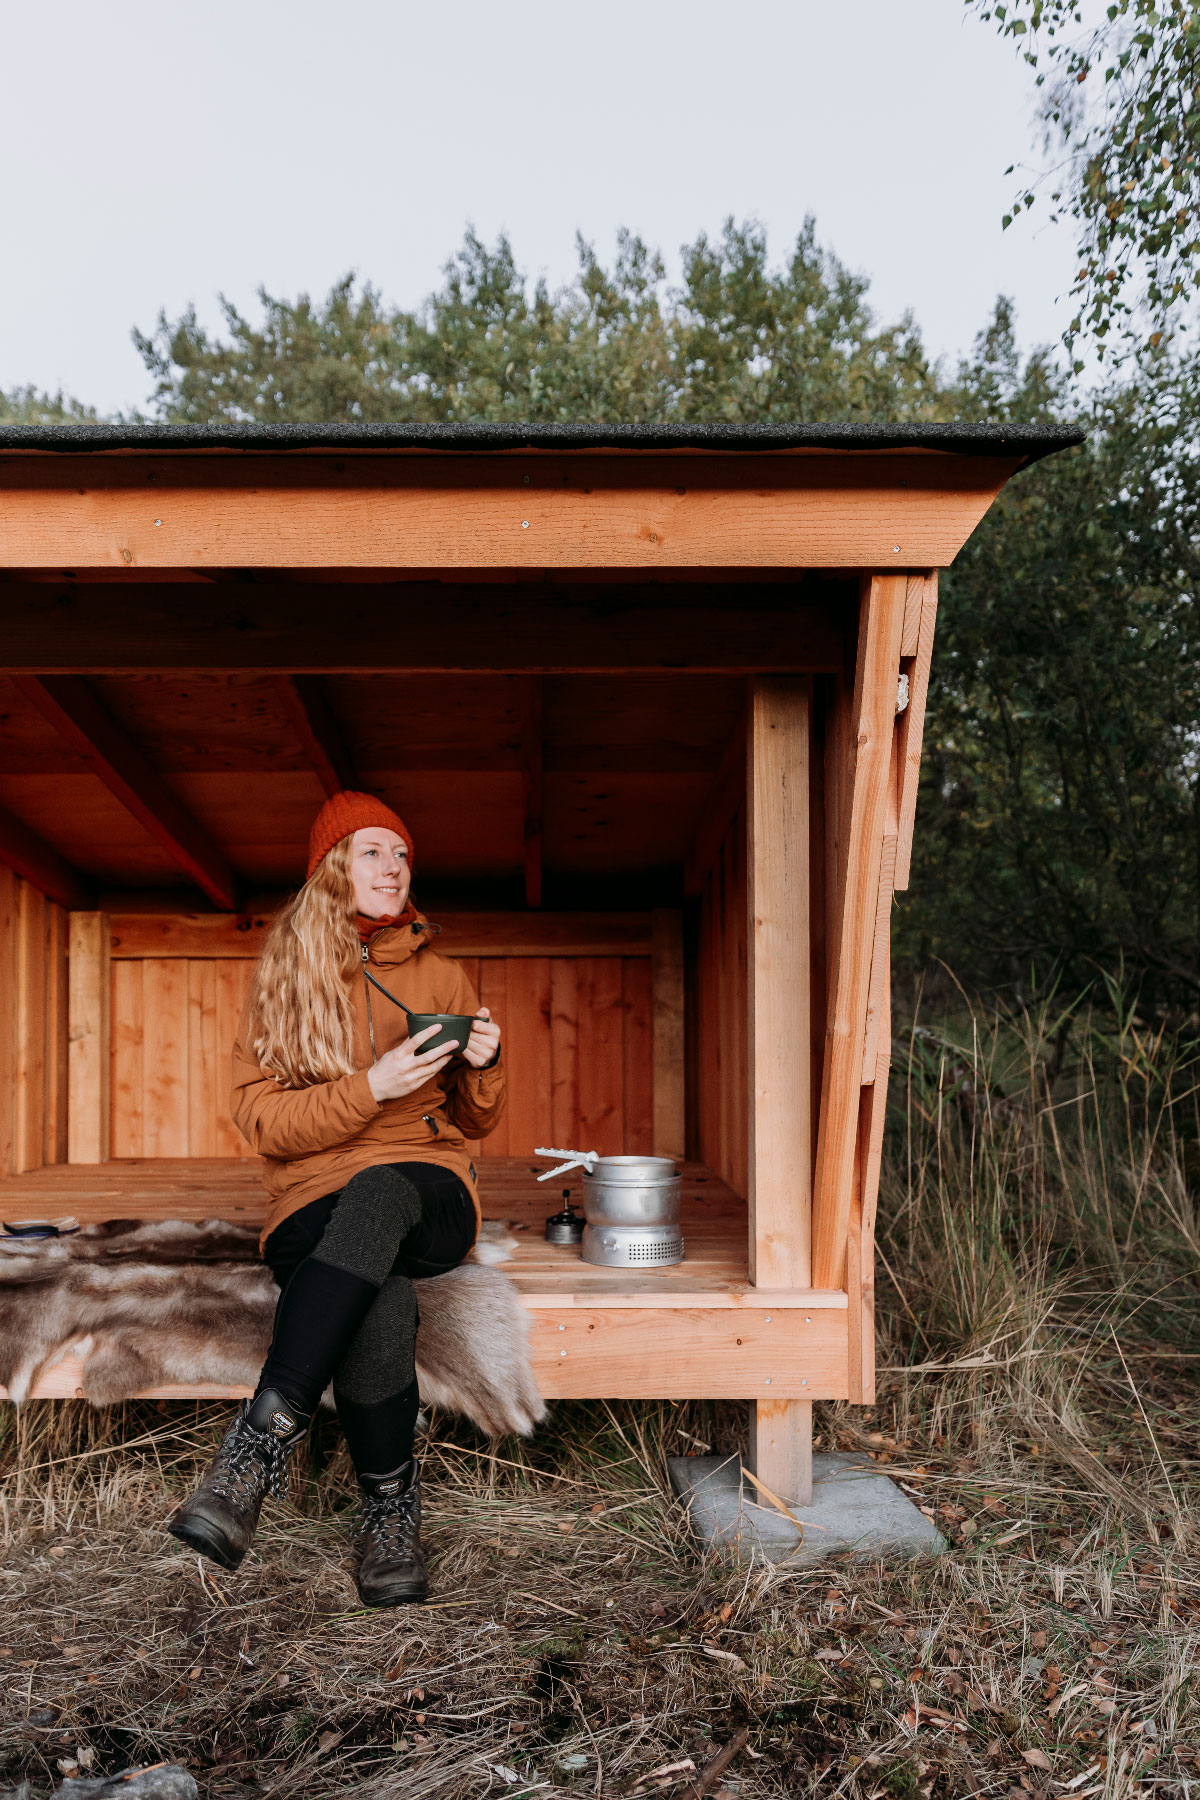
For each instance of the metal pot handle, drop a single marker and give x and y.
(586, 1159)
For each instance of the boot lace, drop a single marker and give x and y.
(248, 1464)
(390, 1520)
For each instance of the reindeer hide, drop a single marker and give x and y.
(153, 1302)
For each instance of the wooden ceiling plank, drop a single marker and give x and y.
(306, 702)
(71, 707)
(30, 857)
(110, 628)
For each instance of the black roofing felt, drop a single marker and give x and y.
(1028, 442)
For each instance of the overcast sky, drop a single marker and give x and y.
(157, 152)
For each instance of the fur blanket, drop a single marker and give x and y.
(151, 1302)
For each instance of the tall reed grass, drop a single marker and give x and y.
(1039, 1228)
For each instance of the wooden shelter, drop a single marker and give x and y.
(651, 702)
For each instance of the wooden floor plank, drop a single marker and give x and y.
(714, 1271)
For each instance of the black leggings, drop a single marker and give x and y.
(347, 1308)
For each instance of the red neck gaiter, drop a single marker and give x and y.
(368, 927)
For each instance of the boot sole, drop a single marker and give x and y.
(192, 1533)
(378, 1602)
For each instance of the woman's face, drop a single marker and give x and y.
(379, 872)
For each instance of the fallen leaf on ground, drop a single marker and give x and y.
(1037, 1759)
(932, 1715)
(327, 1740)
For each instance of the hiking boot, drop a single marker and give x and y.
(220, 1517)
(391, 1564)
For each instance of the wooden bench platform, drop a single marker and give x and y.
(670, 1333)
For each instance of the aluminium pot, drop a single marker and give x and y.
(632, 1190)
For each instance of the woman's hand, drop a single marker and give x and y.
(404, 1070)
(484, 1040)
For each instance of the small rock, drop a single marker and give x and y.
(24, 1792)
(162, 1781)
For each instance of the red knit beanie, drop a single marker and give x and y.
(347, 812)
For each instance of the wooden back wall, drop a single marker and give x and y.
(590, 1007)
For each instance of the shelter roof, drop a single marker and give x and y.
(1026, 442)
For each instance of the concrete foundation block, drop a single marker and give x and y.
(855, 1506)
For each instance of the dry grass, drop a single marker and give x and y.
(1041, 1245)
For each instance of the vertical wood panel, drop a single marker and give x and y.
(10, 886)
(165, 1071)
(493, 993)
(233, 985)
(202, 1080)
(55, 1148)
(722, 1022)
(528, 1060)
(90, 1054)
(31, 974)
(127, 1060)
(738, 960)
(601, 1064)
(564, 1054)
(780, 1081)
(668, 1127)
(640, 1057)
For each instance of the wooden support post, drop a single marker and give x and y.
(781, 1447)
(306, 704)
(532, 787)
(920, 617)
(71, 707)
(88, 1031)
(667, 1047)
(852, 928)
(779, 1095)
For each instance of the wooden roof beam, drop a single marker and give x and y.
(30, 857)
(306, 704)
(73, 709)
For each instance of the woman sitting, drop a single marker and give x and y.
(370, 1182)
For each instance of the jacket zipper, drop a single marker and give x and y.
(366, 957)
(426, 1118)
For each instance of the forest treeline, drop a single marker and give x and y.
(1059, 824)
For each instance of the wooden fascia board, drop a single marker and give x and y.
(647, 510)
(117, 627)
(33, 859)
(69, 704)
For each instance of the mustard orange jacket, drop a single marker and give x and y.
(313, 1139)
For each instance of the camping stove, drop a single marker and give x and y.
(631, 1204)
(632, 1246)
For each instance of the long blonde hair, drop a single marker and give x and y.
(301, 1020)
